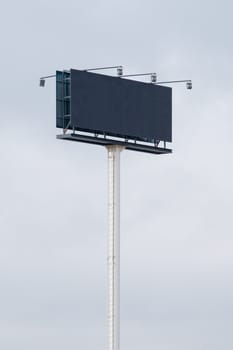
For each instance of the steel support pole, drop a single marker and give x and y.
(113, 259)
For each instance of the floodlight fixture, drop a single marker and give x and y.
(188, 82)
(153, 78)
(42, 82)
(42, 79)
(189, 85)
(120, 71)
(152, 75)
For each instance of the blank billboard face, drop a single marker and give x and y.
(117, 106)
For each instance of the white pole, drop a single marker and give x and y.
(114, 247)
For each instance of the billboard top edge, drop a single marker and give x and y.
(118, 77)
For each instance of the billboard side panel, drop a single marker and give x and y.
(63, 112)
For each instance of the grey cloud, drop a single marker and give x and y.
(176, 215)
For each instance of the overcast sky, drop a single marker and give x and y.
(177, 222)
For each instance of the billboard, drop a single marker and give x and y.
(114, 106)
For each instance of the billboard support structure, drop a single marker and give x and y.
(113, 249)
(118, 114)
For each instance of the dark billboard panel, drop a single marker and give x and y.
(115, 106)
